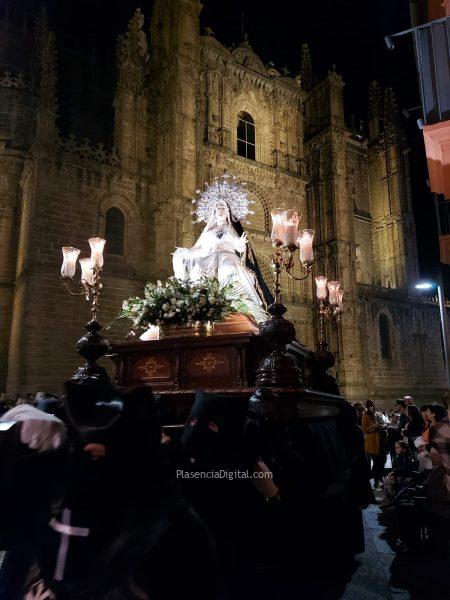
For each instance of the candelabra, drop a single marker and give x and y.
(92, 345)
(286, 240)
(279, 368)
(330, 306)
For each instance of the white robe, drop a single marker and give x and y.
(214, 255)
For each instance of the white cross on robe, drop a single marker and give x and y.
(66, 530)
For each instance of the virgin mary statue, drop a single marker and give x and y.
(220, 251)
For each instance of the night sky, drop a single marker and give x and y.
(346, 33)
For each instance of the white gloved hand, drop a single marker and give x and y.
(40, 431)
(241, 243)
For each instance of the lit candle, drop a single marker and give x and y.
(278, 225)
(87, 275)
(152, 333)
(292, 219)
(70, 256)
(321, 287)
(97, 244)
(333, 292)
(305, 241)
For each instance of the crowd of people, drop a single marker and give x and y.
(105, 497)
(408, 449)
(38, 399)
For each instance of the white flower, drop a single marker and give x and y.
(165, 306)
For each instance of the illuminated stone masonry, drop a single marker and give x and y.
(186, 109)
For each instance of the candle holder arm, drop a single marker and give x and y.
(290, 266)
(67, 288)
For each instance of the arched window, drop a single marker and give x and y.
(115, 231)
(246, 136)
(385, 338)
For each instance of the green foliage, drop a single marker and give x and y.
(175, 302)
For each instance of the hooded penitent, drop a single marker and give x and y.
(114, 509)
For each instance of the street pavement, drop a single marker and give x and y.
(385, 575)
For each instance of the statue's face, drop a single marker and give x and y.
(221, 211)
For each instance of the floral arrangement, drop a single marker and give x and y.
(177, 302)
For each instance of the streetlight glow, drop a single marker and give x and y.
(426, 285)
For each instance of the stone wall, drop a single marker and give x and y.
(68, 206)
(11, 166)
(416, 365)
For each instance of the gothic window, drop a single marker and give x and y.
(115, 231)
(246, 136)
(385, 338)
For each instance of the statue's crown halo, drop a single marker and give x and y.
(226, 188)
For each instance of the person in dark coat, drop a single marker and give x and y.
(310, 469)
(414, 426)
(404, 465)
(121, 527)
(214, 476)
(32, 455)
(361, 491)
(401, 408)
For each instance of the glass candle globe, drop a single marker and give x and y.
(321, 287)
(97, 244)
(340, 305)
(305, 242)
(333, 292)
(278, 226)
(291, 221)
(87, 274)
(69, 265)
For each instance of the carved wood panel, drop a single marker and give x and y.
(207, 364)
(152, 367)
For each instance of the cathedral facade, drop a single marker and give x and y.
(186, 109)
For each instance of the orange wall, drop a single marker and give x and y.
(423, 11)
(438, 9)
